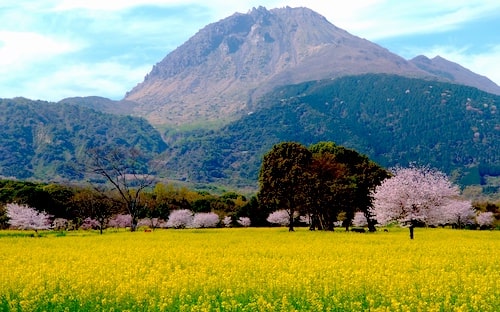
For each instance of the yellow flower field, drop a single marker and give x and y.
(249, 269)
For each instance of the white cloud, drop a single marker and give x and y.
(105, 79)
(378, 19)
(22, 48)
(42, 42)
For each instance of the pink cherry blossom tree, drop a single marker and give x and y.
(181, 218)
(205, 220)
(26, 218)
(485, 219)
(120, 221)
(280, 217)
(359, 219)
(459, 213)
(412, 196)
(244, 221)
(90, 224)
(152, 223)
(227, 221)
(60, 224)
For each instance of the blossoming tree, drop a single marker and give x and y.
(26, 218)
(280, 217)
(412, 196)
(181, 218)
(459, 213)
(244, 221)
(485, 219)
(205, 220)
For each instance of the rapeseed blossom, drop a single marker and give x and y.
(248, 269)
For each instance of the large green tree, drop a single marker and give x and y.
(329, 189)
(321, 181)
(351, 189)
(284, 178)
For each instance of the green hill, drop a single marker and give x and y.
(48, 141)
(391, 119)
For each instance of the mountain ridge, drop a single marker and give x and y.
(219, 72)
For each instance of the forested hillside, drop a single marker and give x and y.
(391, 119)
(48, 141)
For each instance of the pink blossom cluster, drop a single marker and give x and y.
(26, 218)
(419, 195)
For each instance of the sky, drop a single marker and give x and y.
(53, 49)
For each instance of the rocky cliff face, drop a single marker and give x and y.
(217, 74)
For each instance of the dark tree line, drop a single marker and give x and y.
(321, 181)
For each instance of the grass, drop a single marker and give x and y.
(250, 269)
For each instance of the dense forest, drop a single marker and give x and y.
(391, 119)
(49, 141)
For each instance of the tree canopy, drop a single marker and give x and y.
(413, 196)
(321, 181)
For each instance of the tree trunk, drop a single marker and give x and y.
(411, 231)
(133, 226)
(330, 226)
(371, 225)
(290, 224)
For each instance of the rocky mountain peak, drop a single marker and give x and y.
(218, 73)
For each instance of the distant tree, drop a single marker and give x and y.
(90, 224)
(120, 221)
(26, 218)
(485, 219)
(359, 219)
(179, 219)
(283, 178)
(205, 220)
(255, 211)
(413, 196)
(459, 213)
(94, 205)
(227, 221)
(3, 217)
(60, 224)
(152, 223)
(126, 171)
(244, 221)
(280, 217)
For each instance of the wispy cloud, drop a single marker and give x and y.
(104, 79)
(378, 19)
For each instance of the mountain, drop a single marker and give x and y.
(219, 73)
(455, 73)
(48, 141)
(249, 81)
(392, 119)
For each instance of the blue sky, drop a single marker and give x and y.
(52, 49)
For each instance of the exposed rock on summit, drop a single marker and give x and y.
(217, 75)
